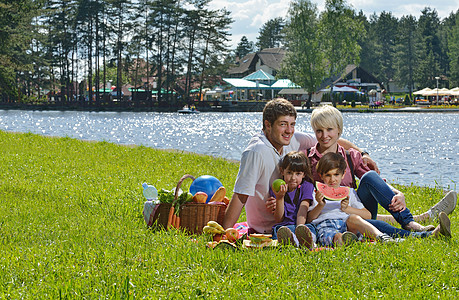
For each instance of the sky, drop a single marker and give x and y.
(250, 15)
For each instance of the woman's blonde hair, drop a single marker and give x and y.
(327, 116)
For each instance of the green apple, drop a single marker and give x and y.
(277, 184)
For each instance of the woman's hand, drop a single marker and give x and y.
(398, 203)
(370, 163)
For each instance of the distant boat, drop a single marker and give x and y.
(187, 110)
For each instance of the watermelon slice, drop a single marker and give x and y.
(330, 193)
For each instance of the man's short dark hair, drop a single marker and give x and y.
(277, 108)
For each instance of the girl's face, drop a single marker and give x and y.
(327, 138)
(292, 178)
(332, 178)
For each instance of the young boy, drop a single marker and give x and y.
(338, 222)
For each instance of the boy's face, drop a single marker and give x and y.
(281, 131)
(332, 178)
(292, 178)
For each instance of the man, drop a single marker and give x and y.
(259, 165)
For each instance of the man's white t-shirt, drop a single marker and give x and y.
(332, 209)
(257, 170)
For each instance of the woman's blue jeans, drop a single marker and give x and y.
(397, 232)
(373, 190)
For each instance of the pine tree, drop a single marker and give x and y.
(271, 34)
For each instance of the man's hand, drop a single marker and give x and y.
(398, 203)
(271, 204)
(370, 163)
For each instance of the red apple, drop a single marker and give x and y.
(217, 237)
(232, 235)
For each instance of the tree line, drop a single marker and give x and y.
(54, 44)
(410, 52)
(69, 46)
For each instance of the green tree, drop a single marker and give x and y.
(405, 56)
(453, 53)
(367, 42)
(244, 47)
(15, 55)
(428, 49)
(340, 31)
(386, 28)
(271, 34)
(215, 36)
(304, 61)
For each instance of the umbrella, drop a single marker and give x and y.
(455, 91)
(439, 92)
(372, 92)
(423, 91)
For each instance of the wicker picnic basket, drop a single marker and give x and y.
(193, 216)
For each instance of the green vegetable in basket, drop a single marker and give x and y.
(165, 196)
(184, 198)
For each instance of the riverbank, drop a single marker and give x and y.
(72, 227)
(241, 106)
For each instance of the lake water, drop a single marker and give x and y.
(419, 148)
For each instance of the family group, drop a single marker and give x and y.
(299, 215)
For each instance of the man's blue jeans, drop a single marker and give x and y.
(373, 190)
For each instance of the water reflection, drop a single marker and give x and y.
(421, 148)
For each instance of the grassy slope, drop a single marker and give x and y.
(72, 226)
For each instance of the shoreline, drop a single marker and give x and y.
(242, 107)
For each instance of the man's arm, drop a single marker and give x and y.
(234, 209)
(366, 157)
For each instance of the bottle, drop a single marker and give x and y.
(150, 192)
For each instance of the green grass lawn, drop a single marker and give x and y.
(71, 226)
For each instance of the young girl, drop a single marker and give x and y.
(338, 222)
(293, 200)
(327, 123)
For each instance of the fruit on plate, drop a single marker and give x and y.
(218, 195)
(259, 238)
(216, 225)
(217, 237)
(334, 194)
(200, 197)
(223, 244)
(232, 234)
(277, 184)
(211, 230)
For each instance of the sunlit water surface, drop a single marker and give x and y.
(419, 148)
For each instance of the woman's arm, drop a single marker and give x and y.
(366, 157)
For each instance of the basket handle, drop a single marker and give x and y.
(179, 184)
